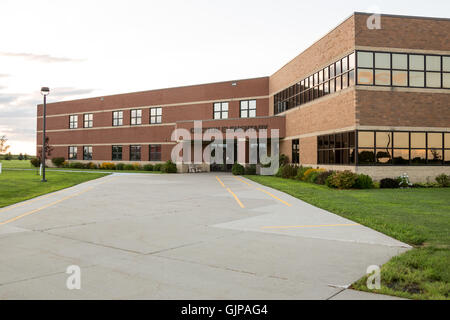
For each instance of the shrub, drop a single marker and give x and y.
(66, 164)
(313, 175)
(330, 181)
(250, 170)
(364, 182)
(389, 183)
(128, 167)
(148, 167)
(301, 172)
(120, 166)
(169, 167)
(35, 162)
(90, 165)
(108, 166)
(20, 157)
(279, 172)
(343, 180)
(76, 165)
(157, 167)
(307, 174)
(58, 161)
(7, 156)
(283, 160)
(443, 180)
(289, 171)
(137, 166)
(238, 170)
(322, 177)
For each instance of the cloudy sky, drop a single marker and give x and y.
(90, 48)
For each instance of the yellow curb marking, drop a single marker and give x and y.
(220, 181)
(312, 226)
(266, 192)
(50, 204)
(231, 192)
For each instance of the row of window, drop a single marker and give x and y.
(220, 111)
(385, 148)
(403, 70)
(135, 153)
(333, 78)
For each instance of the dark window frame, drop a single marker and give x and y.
(248, 108)
(136, 119)
(115, 153)
(73, 121)
(135, 153)
(221, 111)
(88, 155)
(88, 123)
(73, 153)
(117, 120)
(156, 118)
(154, 155)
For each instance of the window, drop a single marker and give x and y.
(73, 122)
(117, 118)
(73, 153)
(220, 110)
(336, 148)
(296, 151)
(136, 117)
(155, 152)
(88, 120)
(248, 109)
(403, 70)
(403, 148)
(116, 153)
(135, 153)
(155, 115)
(87, 153)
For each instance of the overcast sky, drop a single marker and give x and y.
(90, 48)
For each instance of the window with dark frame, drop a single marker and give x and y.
(155, 152)
(73, 121)
(333, 78)
(136, 117)
(87, 153)
(88, 120)
(220, 110)
(117, 153)
(155, 115)
(248, 109)
(395, 69)
(336, 149)
(73, 153)
(296, 151)
(135, 153)
(117, 118)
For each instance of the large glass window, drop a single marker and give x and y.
(135, 153)
(88, 120)
(248, 109)
(155, 115)
(73, 121)
(296, 151)
(117, 118)
(136, 117)
(220, 110)
(155, 152)
(73, 153)
(117, 153)
(87, 153)
(336, 149)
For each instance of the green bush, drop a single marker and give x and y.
(129, 167)
(283, 160)
(35, 162)
(91, 165)
(148, 167)
(289, 171)
(364, 182)
(238, 170)
(322, 177)
(343, 180)
(443, 180)
(107, 166)
(389, 183)
(250, 170)
(157, 167)
(76, 165)
(279, 172)
(169, 167)
(7, 156)
(58, 161)
(330, 181)
(313, 176)
(301, 172)
(120, 166)
(137, 167)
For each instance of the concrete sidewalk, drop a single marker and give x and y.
(183, 237)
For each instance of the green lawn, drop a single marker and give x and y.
(16, 164)
(419, 217)
(16, 186)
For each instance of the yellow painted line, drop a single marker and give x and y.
(52, 203)
(235, 197)
(266, 192)
(220, 181)
(313, 226)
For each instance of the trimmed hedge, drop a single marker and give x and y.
(58, 161)
(169, 167)
(389, 183)
(238, 170)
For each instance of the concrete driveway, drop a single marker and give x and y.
(201, 236)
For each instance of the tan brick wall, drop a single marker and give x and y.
(308, 150)
(407, 109)
(416, 174)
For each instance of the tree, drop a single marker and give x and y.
(20, 157)
(48, 150)
(3, 146)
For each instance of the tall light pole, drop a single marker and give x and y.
(45, 92)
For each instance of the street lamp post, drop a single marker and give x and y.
(44, 91)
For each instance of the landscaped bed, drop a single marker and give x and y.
(419, 217)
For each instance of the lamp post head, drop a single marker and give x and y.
(45, 91)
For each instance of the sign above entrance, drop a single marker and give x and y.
(233, 128)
